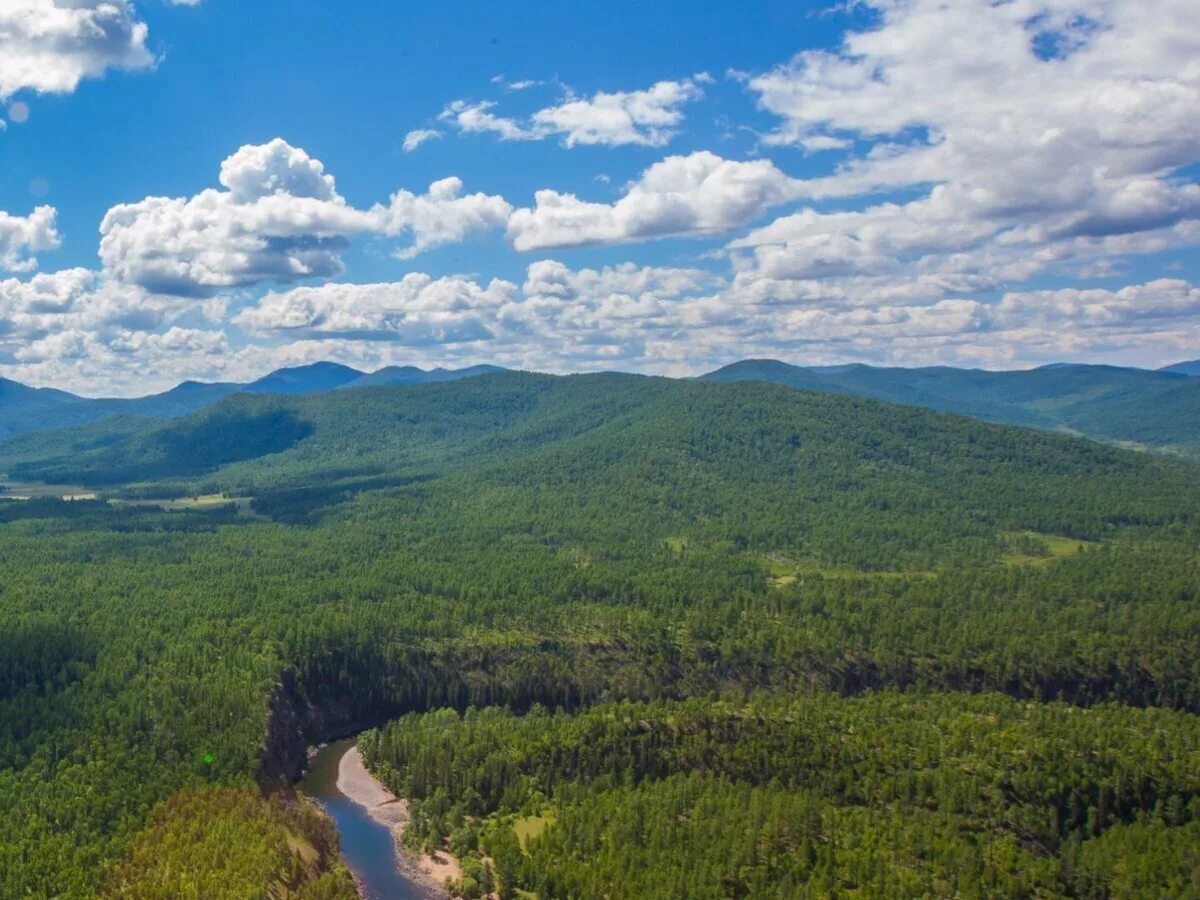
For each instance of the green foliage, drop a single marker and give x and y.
(519, 540)
(233, 844)
(1159, 410)
(946, 793)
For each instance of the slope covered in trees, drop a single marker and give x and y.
(517, 540)
(1156, 410)
(888, 794)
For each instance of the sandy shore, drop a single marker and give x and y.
(358, 784)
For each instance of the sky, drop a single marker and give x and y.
(211, 189)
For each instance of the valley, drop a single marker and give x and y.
(529, 553)
(661, 451)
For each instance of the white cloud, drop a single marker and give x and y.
(276, 168)
(1037, 131)
(280, 219)
(476, 118)
(648, 117)
(523, 84)
(684, 321)
(80, 330)
(23, 236)
(416, 311)
(440, 216)
(79, 299)
(419, 136)
(49, 46)
(682, 195)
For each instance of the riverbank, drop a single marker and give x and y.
(357, 783)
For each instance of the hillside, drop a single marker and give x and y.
(724, 450)
(1149, 409)
(1190, 368)
(525, 541)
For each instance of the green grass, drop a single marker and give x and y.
(202, 502)
(783, 572)
(1033, 548)
(531, 827)
(18, 490)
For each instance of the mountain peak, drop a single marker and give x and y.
(1189, 367)
(309, 379)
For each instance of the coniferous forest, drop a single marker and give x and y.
(613, 636)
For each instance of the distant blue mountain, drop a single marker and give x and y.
(393, 376)
(1191, 368)
(312, 379)
(24, 408)
(14, 395)
(1138, 406)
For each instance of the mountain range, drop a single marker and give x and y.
(24, 408)
(1151, 409)
(1138, 407)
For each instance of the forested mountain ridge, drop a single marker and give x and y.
(1144, 408)
(615, 428)
(576, 541)
(1150, 409)
(24, 409)
(1191, 367)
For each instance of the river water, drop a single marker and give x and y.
(367, 845)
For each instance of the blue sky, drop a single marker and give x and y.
(657, 187)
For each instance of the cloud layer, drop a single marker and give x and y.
(920, 192)
(1034, 131)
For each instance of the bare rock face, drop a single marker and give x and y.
(285, 747)
(294, 724)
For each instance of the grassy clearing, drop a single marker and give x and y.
(1033, 548)
(202, 502)
(677, 545)
(530, 827)
(20, 490)
(783, 571)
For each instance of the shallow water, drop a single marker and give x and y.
(367, 845)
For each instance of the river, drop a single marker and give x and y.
(367, 844)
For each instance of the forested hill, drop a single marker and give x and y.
(703, 442)
(516, 540)
(1149, 409)
(1137, 407)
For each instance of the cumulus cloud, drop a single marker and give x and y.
(649, 117)
(442, 215)
(417, 311)
(559, 319)
(78, 329)
(683, 195)
(49, 46)
(23, 236)
(683, 321)
(80, 299)
(1035, 130)
(279, 219)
